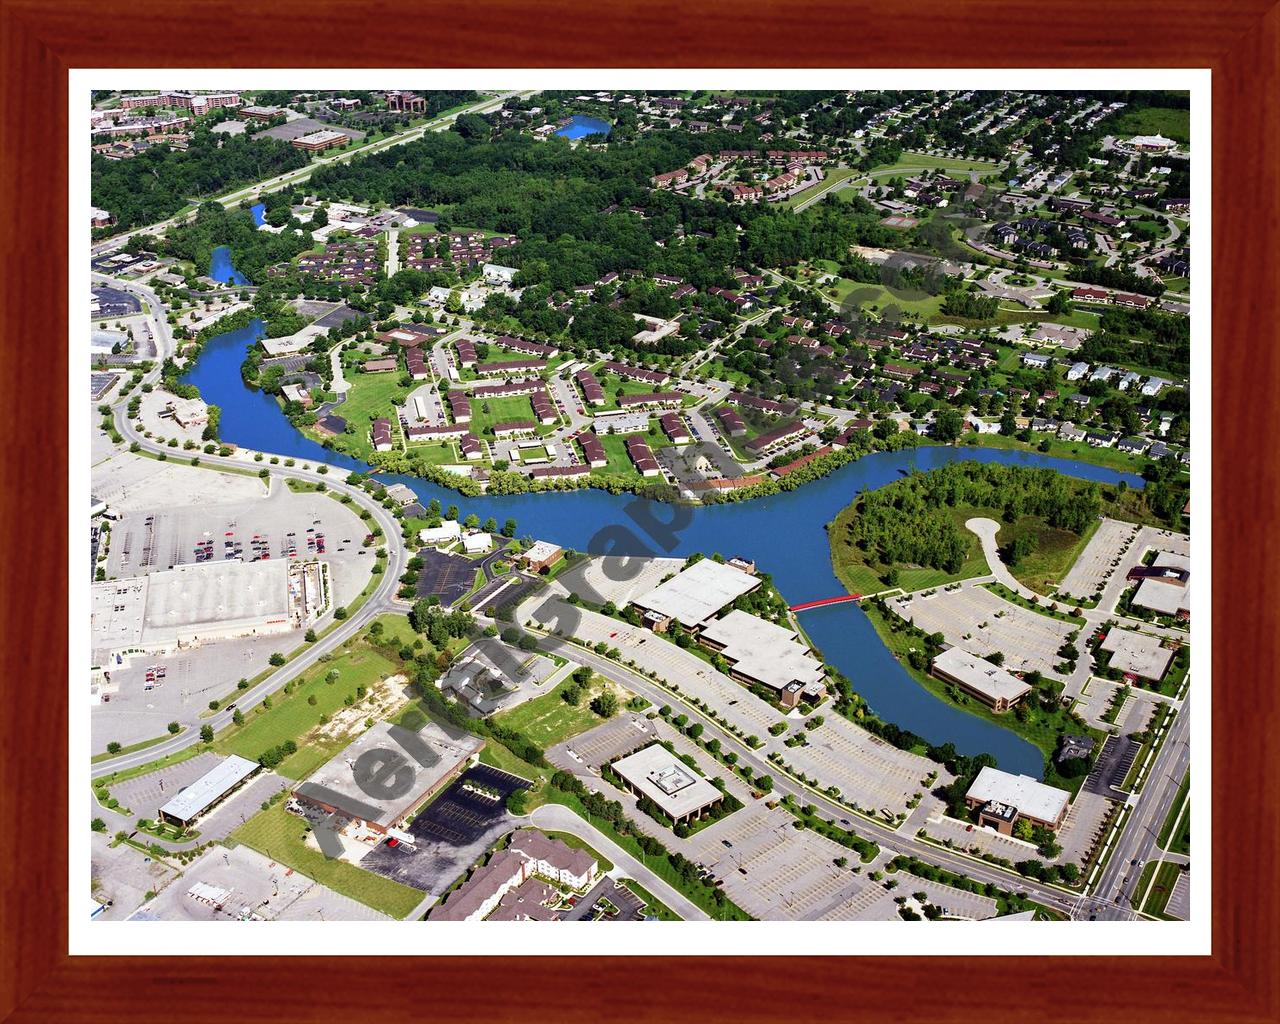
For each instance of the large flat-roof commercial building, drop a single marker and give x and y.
(996, 688)
(317, 141)
(694, 595)
(190, 604)
(1137, 653)
(1003, 799)
(207, 790)
(432, 757)
(677, 789)
(1168, 594)
(762, 652)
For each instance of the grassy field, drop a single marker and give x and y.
(1181, 842)
(279, 835)
(830, 177)
(488, 411)
(293, 717)
(1126, 462)
(915, 161)
(1054, 554)
(549, 719)
(1166, 878)
(1171, 122)
(613, 384)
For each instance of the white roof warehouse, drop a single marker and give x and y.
(695, 594)
(207, 790)
(761, 652)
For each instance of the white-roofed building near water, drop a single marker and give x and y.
(761, 652)
(1003, 799)
(448, 532)
(998, 689)
(694, 595)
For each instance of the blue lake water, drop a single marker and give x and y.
(257, 211)
(222, 269)
(783, 533)
(580, 125)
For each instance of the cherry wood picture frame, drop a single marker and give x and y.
(40, 41)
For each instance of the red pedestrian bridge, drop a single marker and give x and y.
(825, 601)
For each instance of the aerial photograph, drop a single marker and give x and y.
(637, 505)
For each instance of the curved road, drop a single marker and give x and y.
(380, 601)
(889, 839)
(559, 818)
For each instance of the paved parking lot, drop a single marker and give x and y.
(619, 580)
(1179, 904)
(1081, 830)
(444, 575)
(193, 677)
(451, 833)
(775, 871)
(122, 876)
(163, 536)
(240, 806)
(131, 483)
(1099, 559)
(1147, 539)
(145, 794)
(615, 738)
(1112, 766)
(982, 623)
(870, 772)
(245, 885)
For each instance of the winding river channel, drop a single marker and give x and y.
(784, 534)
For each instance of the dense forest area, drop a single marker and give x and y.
(159, 182)
(909, 522)
(215, 225)
(555, 198)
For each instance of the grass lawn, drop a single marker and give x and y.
(829, 179)
(1181, 842)
(130, 749)
(293, 717)
(279, 835)
(435, 454)
(549, 719)
(1166, 877)
(1171, 122)
(615, 447)
(1005, 594)
(1112, 458)
(486, 412)
(372, 395)
(612, 384)
(652, 904)
(877, 297)
(910, 160)
(1054, 554)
